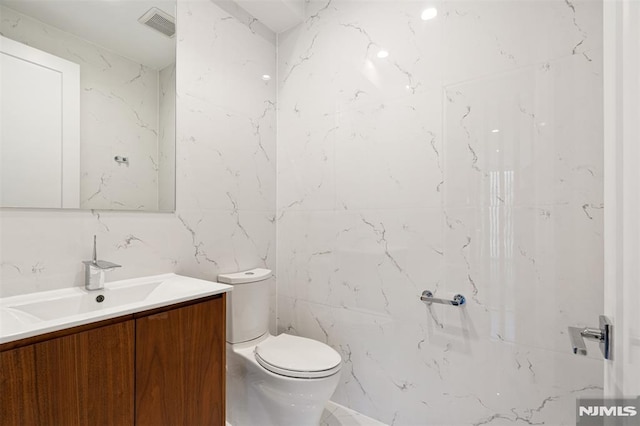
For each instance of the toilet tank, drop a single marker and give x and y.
(247, 304)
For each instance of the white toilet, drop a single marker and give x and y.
(272, 380)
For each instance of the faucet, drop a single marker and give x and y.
(94, 270)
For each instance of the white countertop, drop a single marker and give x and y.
(33, 314)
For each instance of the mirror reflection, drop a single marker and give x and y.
(88, 104)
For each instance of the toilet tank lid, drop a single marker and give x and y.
(251, 276)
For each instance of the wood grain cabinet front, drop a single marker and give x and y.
(80, 379)
(180, 366)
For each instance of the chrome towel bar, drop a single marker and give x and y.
(427, 296)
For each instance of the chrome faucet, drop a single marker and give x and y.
(94, 270)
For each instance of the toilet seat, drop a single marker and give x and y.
(297, 357)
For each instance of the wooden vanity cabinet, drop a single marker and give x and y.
(80, 379)
(163, 367)
(180, 366)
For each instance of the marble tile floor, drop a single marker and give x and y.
(337, 415)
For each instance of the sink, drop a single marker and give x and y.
(75, 304)
(33, 314)
(13, 319)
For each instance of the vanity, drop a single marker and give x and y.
(147, 351)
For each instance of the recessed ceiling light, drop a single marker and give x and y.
(495, 131)
(429, 13)
(383, 54)
(266, 77)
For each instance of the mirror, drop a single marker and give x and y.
(88, 104)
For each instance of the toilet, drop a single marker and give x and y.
(272, 380)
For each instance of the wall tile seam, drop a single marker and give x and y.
(523, 67)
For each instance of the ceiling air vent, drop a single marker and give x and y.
(159, 21)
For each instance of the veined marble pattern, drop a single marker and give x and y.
(467, 160)
(374, 260)
(43, 250)
(119, 116)
(224, 222)
(488, 37)
(524, 138)
(415, 372)
(228, 113)
(528, 272)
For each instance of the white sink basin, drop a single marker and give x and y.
(12, 320)
(80, 303)
(38, 313)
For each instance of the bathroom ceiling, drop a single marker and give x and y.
(111, 24)
(278, 15)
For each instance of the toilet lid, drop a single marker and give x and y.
(298, 357)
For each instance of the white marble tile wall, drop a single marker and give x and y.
(119, 116)
(467, 160)
(225, 160)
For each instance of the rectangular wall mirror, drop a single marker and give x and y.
(88, 99)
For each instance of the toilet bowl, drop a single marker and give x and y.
(264, 389)
(272, 380)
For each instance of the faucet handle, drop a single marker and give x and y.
(101, 264)
(577, 341)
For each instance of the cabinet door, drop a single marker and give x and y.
(81, 379)
(180, 366)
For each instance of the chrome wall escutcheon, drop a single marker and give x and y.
(602, 335)
(121, 160)
(427, 297)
